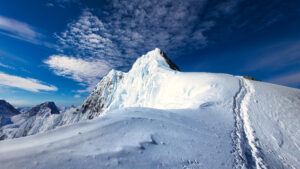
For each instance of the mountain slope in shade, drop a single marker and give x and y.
(6, 112)
(102, 95)
(155, 116)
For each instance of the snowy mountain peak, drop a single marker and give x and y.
(38, 119)
(112, 72)
(6, 111)
(153, 60)
(108, 92)
(42, 108)
(5, 107)
(102, 95)
(154, 111)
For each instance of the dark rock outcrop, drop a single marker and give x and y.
(171, 64)
(250, 78)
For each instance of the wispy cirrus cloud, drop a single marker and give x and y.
(22, 31)
(5, 54)
(62, 3)
(6, 66)
(128, 29)
(28, 84)
(286, 79)
(17, 29)
(279, 56)
(139, 26)
(87, 52)
(77, 96)
(89, 38)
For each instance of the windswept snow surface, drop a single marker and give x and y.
(129, 138)
(156, 117)
(274, 116)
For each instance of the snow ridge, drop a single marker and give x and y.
(101, 98)
(256, 154)
(246, 151)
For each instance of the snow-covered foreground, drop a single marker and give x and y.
(129, 138)
(155, 117)
(274, 115)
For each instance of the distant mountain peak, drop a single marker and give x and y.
(6, 112)
(5, 107)
(37, 109)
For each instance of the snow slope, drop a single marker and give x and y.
(102, 95)
(274, 116)
(129, 138)
(157, 117)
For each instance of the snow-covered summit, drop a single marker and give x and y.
(155, 59)
(42, 108)
(166, 119)
(104, 96)
(39, 118)
(153, 81)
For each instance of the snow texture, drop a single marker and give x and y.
(155, 116)
(38, 119)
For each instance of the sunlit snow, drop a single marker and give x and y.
(156, 117)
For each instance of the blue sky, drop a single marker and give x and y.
(60, 49)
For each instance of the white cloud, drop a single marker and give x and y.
(277, 57)
(171, 25)
(286, 79)
(77, 96)
(28, 84)
(49, 4)
(93, 53)
(87, 37)
(19, 30)
(6, 66)
(68, 1)
(83, 71)
(126, 31)
(131, 28)
(62, 3)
